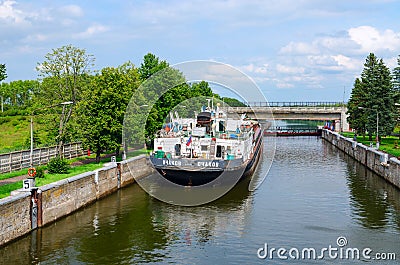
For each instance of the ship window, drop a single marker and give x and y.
(221, 126)
(177, 149)
(219, 151)
(204, 148)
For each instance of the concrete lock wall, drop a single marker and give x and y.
(14, 217)
(63, 197)
(379, 162)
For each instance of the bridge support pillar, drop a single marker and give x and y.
(341, 125)
(345, 127)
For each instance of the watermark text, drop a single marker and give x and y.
(333, 252)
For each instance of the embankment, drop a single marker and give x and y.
(26, 211)
(378, 162)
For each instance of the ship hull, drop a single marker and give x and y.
(187, 176)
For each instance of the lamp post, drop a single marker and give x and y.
(377, 125)
(397, 106)
(31, 154)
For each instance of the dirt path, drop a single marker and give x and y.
(12, 180)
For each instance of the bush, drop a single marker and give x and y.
(40, 172)
(58, 166)
(14, 111)
(4, 120)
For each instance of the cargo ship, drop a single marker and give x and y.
(196, 151)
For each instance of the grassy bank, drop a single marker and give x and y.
(13, 174)
(15, 132)
(6, 189)
(388, 144)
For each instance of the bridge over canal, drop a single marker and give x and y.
(320, 111)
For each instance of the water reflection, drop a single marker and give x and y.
(128, 234)
(111, 231)
(198, 225)
(375, 203)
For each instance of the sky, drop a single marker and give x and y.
(294, 50)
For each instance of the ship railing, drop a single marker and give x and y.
(233, 135)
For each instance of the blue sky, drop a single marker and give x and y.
(305, 50)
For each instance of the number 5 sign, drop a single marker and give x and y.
(28, 184)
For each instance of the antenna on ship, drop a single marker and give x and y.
(208, 102)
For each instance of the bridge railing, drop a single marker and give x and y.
(289, 129)
(296, 104)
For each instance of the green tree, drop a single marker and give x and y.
(163, 90)
(17, 95)
(396, 81)
(4, 94)
(167, 89)
(65, 74)
(166, 97)
(100, 114)
(22, 91)
(3, 72)
(233, 102)
(379, 96)
(201, 89)
(154, 88)
(396, 84)
(396, 76)
(358, 98)
(196, 98)
(151, 64)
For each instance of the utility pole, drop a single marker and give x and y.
(377, 129)
(31, 156)
(342, 115)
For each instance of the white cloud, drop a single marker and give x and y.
(371, 39)
(299, 48)
(258, 69)
(72, 10)
(9, 13)
(289, 69)
(356, 41)
(337, 57)
(347, 62)
(391, 62)
(92, 30)
(35, 38)
(280, 84)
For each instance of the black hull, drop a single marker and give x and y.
(189, 178)
(204, 176)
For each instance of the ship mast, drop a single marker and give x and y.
(208, 102)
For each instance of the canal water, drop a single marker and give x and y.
(313, 197)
